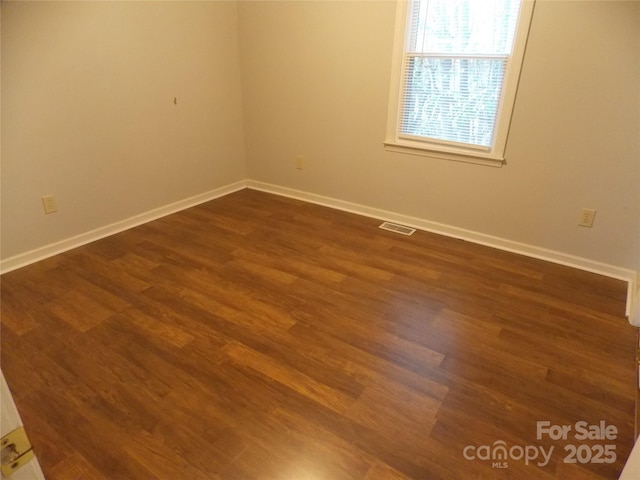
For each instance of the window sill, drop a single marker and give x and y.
(470, 157)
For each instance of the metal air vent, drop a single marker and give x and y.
(394, 227)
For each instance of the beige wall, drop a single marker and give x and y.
(88, 113)
(315, 83)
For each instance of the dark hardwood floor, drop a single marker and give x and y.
(259, 337)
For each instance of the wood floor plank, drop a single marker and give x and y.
(289, 377)
(380, 471)
(74, 467)
(258, 337)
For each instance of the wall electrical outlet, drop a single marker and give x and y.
(586, 217)
(300, 162)
(49, 203)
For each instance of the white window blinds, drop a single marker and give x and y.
(455, 58)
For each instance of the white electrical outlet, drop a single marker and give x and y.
(586, 217)
(300, 162)
(49, 203)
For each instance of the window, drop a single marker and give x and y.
(456, 69)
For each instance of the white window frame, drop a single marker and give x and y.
(493, 155)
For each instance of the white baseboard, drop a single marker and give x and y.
(633, 292)
(461, 233)
(23, 259)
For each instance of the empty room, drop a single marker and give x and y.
(320, 240)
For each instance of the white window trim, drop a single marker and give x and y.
(449, 150)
